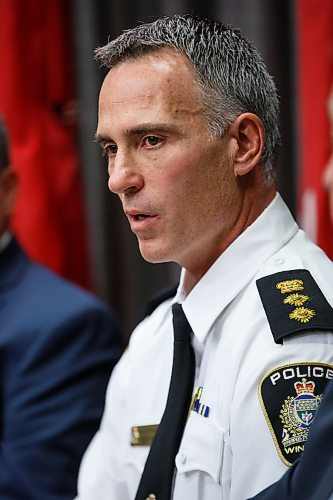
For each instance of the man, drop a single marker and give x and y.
(188, 122)
(58, 346)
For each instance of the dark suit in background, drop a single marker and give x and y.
(58, 345)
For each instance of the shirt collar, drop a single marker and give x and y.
(238, 264)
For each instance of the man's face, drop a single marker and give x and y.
(175, 181)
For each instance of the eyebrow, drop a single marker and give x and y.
(101, 138)
(138, 130)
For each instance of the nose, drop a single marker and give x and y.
(123, 175)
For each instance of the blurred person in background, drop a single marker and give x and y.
(58, 346)
(188, 121)
(328, 173)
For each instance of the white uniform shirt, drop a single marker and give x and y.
(230, 454)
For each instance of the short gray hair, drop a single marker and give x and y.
(231, 75)
(4, 154)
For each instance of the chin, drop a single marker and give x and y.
(154, 259)
(154, 253)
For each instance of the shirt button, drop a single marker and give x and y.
(278, 261)
(182, 458)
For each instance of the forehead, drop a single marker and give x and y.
(160, 80)
(165, 65)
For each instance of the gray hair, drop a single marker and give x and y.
(4, 154)
(230, 73)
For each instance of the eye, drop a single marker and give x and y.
(151, 141)
(109, 150)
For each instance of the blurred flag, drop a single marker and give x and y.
(37, 101)
(314, 50)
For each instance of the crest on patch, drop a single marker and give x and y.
(290, 396)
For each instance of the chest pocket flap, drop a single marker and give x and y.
(201, 448)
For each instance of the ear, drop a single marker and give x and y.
(248, 131)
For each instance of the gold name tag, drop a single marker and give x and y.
(143, 435)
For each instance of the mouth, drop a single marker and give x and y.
(140, 220)
(140, 217)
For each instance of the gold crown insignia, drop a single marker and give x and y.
(304, 387)
(290, 286)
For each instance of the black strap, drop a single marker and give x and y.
(159, 297)
(156, 480)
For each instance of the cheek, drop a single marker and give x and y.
(192, 178)
(173, 178)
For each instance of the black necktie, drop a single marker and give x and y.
(157, 476)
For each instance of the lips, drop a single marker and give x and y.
(137, 214)
(140, 220)
(141, 216)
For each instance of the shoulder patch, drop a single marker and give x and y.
(290, 396)
(293, 302)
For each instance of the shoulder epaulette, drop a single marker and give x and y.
(293, 302)
(159, 297)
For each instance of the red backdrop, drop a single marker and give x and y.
(314, 28)
(36, 99)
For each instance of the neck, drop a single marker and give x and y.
(251, 208)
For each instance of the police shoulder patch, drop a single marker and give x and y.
(293, 302)
(290, 396)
